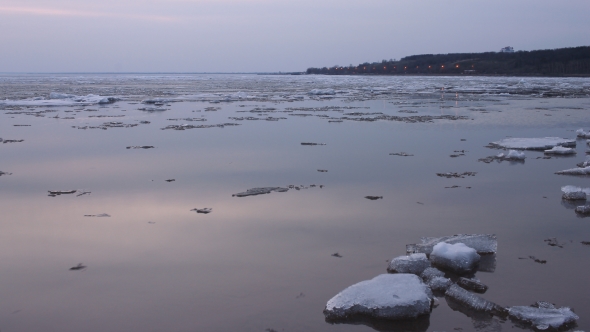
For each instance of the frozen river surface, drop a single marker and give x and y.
(144, 151)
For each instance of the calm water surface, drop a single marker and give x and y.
(264, 263)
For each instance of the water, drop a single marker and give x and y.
(265, 262)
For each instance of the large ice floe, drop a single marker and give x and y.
(543, 316)
(575, 171)
(543, 143)
(61, 99)
(387, 296)
(582, 134)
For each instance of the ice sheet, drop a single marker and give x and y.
(542, 143)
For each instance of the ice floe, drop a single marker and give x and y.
(542, 143)
(457, 257)
(414, 264)
(582, 134)
(389, 296)
(319, 92)
(574, 193)
(543, 316)
(61, 99)
(472, 285)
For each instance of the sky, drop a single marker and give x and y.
(271, 35)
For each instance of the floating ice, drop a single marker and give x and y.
(543, 143)
(515, 155)
(583, 209)
(457, 257)
(560, 150)
(390, 296)
(582, 134)
(543, 315)
(573, 193)
(482, 243)
(318, 92)
(61, 99)
(203, 210)
(414, 264)
(430, 273)
(260, 191)
(473, 301)
(472, 284)
(152, 109)
(575, 171)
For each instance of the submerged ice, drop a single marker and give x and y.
(543, 315)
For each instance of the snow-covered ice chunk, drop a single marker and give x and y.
(439, 284)
(457, 257)
(542, 143)
(560, 150)
(473, 301)
(575, 171)
(414, 264)
(430, 273)
(573, 189)
(482, 243)
(515, 155)
(574, 196)
(260, 191)
(543, 315)
(583, 134)
(390, 296)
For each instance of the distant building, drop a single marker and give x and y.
(507, 49)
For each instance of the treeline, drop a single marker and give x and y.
(571, 61)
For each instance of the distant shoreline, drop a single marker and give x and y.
(563, 62)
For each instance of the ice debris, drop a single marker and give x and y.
(319, 92)
(512, 155)
(414, 264)
(472, 284)
(457, 257)
(260, 191)
(560, 150)
(543, 143)
(308, 143)
(100, 215)
(389, 296)
(473, 301)
(4, 173)
(439, 284)
(54, 193)
(543, 316)
(402, 154)
(456, 175)
(430, 273)
(374, 198)
(78, 267)
(203, 210)
(482, 243)
(140, 147)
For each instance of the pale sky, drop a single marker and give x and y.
(270, 35)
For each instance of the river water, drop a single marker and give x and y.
(266, 262)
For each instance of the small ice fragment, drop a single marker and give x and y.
(473, 301)
(414, 264)
(543, 143)
(389, 296)
(260, 191)
(543, 315)
(308, 143)
(203, 210)
(574, 196)
(457, 258)
(374, 198)
(140, 147)
(319, 92)
(583, 209)
(560, 150)
(472, 284)
(78, 267)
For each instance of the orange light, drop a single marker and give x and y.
(442, 66)
(457, 66)
(429, 66)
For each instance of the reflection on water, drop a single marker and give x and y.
(155, 265)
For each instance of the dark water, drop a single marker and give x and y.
(265, 262)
